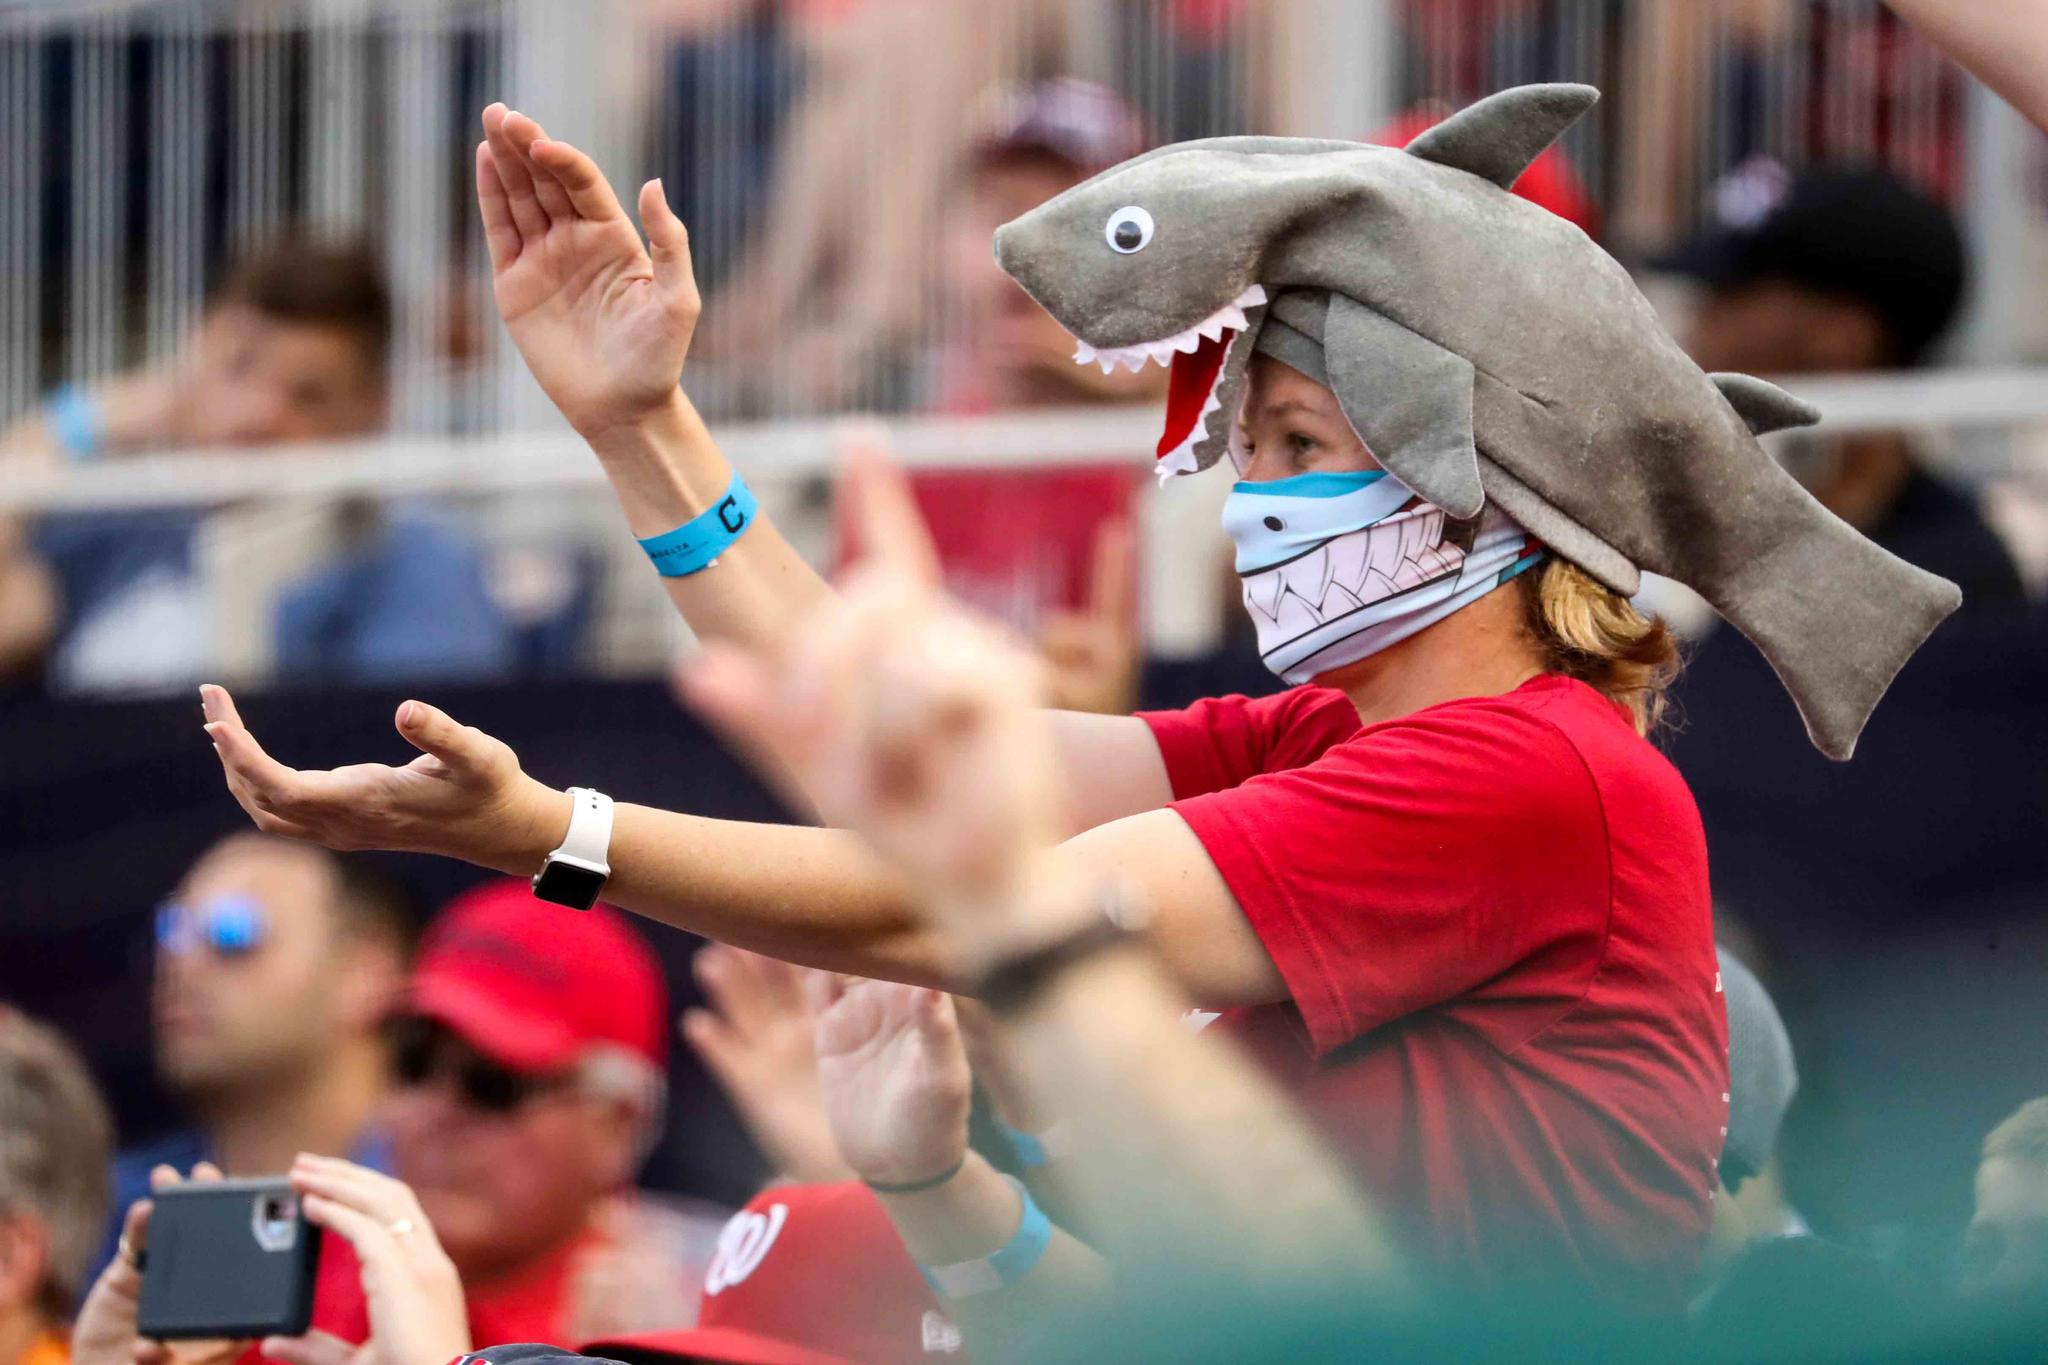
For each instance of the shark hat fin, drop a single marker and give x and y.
(1498, 137)
(1764, 407)
(1409, 399)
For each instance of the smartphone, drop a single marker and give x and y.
(229, 1258)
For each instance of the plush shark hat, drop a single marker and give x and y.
(1487, 352)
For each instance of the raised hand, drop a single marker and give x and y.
(894, 1074)
(464, 796)
(603, 322)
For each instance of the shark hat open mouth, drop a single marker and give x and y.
(1195, 360)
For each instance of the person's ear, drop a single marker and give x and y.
(619, 1124)
(24, 1261)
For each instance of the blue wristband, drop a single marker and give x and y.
(76, 422)
(697, 543)
(1016, 1258)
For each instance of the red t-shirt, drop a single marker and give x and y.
(1493, 920)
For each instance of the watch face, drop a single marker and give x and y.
(565, 883)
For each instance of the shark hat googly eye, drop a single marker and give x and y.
(1128, 230)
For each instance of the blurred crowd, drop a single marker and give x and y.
(465, 1101)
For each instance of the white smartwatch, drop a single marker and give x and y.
(575, 873)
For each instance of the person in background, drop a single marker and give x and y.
(1838, 875)
(55, 1137)
(2005, 1251)
(530, 1050)
(1059, 562)
(276, 966)
(813, 1273)
(1763, 1078)
(292, 348)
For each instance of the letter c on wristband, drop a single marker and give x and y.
(697, 543)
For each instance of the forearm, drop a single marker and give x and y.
(816, 897)
(975, 1214)
(2004, 42)
(667, 470)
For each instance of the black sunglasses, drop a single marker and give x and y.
(422, 1050)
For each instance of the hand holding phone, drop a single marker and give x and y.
(227, 1259)
(417, 1311)
(105, 1332)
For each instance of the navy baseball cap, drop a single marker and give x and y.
(1859, 232)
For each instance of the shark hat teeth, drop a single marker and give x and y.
(1230, 317)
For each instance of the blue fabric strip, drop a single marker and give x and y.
(697, 543)
(1317, 485)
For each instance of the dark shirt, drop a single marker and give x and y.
(1891, 894)
(1791, 833)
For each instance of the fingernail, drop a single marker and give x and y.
(407, 713)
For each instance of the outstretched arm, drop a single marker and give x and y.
(819, 897)
(604, 323)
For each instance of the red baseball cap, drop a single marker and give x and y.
(532, 984)
(1550, 182)
(807, 1275)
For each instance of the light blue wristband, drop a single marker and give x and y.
(76, 422)
(696, 544)
(1016, 1258)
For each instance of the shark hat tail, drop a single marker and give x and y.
(1836, 615)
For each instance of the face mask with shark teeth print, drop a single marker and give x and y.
(1337, 567)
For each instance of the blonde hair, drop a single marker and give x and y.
(1588, 631)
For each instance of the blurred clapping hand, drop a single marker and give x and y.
(893, 1072)
(916, 722)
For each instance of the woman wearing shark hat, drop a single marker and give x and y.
(1446, 888)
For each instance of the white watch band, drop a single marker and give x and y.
(589, 840)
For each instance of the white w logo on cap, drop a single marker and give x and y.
(742, 1246)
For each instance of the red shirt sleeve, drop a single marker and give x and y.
(1218, 743)
(1458, 852)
